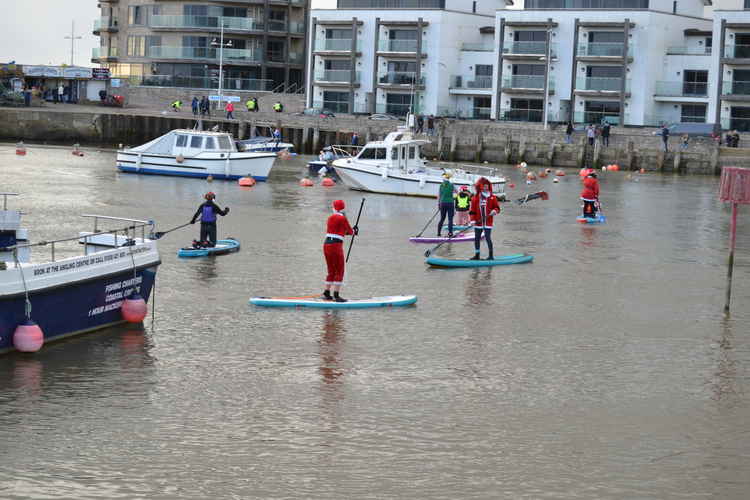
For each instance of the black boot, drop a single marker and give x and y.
(491, 257)
(476, 257)
(327, 295)
(338, 298)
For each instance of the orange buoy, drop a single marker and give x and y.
(643, 170)
(306, 182)
(179, 158)
(28, 337)
(20, 149)
(560, 173)
(283, 154)
(327, 182)
(511, 185)
(134, 308)
(247, 181)
(615, 167)
(542, 173)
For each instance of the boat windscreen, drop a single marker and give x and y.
(224, 142)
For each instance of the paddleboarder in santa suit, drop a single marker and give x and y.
(207, 212)
(590, 195)
(484, 207)
(337, 228)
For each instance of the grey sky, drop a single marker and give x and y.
(34, 31)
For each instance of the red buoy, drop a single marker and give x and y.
(306, 182)
(28, 337)
(511, 185)
(134, 308)
(327, 182)
(560, 173)
(247, 181)
(20, 149)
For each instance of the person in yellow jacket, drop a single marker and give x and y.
(278, 107)
(251, 104)
(463, 202)
(176, 105)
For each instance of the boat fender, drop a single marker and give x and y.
(179, 159)
(134, 308)
(327, 182)
(384, 173)
(28, 337)
(422, 181)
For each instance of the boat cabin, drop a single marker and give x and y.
(398, 150)
(188, 143)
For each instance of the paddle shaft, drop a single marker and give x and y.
(356, 224)
(159, 234)
(428, 223)
(430, 250)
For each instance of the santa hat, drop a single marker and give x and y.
(339, 205)
(209, 196)
(483, 182)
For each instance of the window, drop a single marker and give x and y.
(402, 67)
(338, 34)
(528, 69)
(586, 4)
(412, 152)
(224, 143)
(402, 35)
(210, 143)
(195, 10)
(709, 44)
(338, 64)
(195, 141)
(695, 82)
(181, 141)
(372, 154)
(530, 36)
(693, 113)
(275, 50)
(604, 71)
(338, 102)
(606, 37)
(483, 70)
(526, 110)
(599, 111)
(137, 46)
(739, 119)
(137, 15)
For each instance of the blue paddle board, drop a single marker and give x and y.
(599, 219)
(222, 247)
(317, 302)
(520, 258)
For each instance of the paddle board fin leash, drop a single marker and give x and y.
(430, 250)
(356, 224)
(159, 234)
(428, 223)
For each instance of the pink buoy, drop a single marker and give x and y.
(306, 182)
(247, 181)
(134, 309)
(735, 189)
(327, 182)
(28, 337)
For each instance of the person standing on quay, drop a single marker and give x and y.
(230, 110)
(431, 125)
(194, 105)
(60, 93)
(665, 137)
(569, 133)
(605, 134)
(591, 134)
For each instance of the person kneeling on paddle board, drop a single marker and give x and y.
(484, 207)
(336, 229)
(207, 212)
(590, 195)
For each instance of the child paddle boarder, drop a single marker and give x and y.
(590, 195)
(463, 200)
(207, 212)
(484, 207)
(337, 228)
(445, 203)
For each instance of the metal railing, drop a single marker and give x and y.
(337, 75)
(683, 50)
(166, 52)
(471, 82)
(397, 109)
(604, 49)
(104, 23)
(527, 82)
(199, 82)
(597, 117)
(522, 115)
(334, 106)
(229, 23)
(681, 89)
(397, 46)
(336, 45)
(477, 47)
(401, 78)
(738, 124)
(737, 51)
(601, 84)
(735, 88)
(391, 4)
(100, 52)
(530, 48)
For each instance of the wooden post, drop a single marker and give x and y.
(732, 243)
(734, 188)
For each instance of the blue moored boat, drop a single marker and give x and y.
(520, 258)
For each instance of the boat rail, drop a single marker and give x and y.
(5, 199)
(129, 234)
(346, 150)
(469, 169)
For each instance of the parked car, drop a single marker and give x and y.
(322, 113)
(382, 116)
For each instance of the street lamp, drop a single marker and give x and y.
(221, 46)
(546, 77)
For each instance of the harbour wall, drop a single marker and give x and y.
(461, 141)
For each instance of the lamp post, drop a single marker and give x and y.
(221, 46)
(72, 39)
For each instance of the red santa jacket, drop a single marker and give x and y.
(590, 189)
(476, 213)
(338, 226)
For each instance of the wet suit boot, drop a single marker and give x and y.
(476, 257)
(327, 295)
(338, 298)
(491, 257)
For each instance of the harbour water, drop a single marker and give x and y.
(604, 370)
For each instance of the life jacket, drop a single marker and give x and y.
(277, 107)
(177, 104)
(250, 105)
(462, 201)
(208, 214)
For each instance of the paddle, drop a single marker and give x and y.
(159, 234)
(430, 250)
(533, 196)
(428, 223)
(356, 224)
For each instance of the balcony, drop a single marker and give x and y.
(527, 82)
(336, 45)
(526, 49)
(522, 115)
(738, 124)
(337, 76)
(681, 89)
(396, 109)
(206, 22)
(597, 117)
(596, 84)
(401, 78)
(735, 91)
(106, 24)
(737, 51)
(104, 53)
(334, 106)
(401, 46)
(281, 26)
(471, 82)
(205, 53)
(296, 58)
(209, 83)
(688, 51)
(604, 50)
(477, 47)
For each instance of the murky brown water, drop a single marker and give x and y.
(604, 370)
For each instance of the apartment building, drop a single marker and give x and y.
(178, 44)
(731, 64)
(392, 56)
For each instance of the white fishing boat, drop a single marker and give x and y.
(81, 282)
(395, 166)
(195, 153)
(262, 144)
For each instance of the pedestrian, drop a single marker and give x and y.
(463, 200)
(176, 105)
(446, 204)
(26, 96)
(278, 107)
(250, 105)
(277, 134)
(60, 93)
(194, 105)
(735, 139)
(230, 110)
(684, 140)
(431, 125)
(591, 134)
(327, 156)
(206, 106)
(420, 124)
(605, 133)
(257, 104)
(590, 195)
(355, 139)
(337, 228)
(207, 212)
(569, 133)
(665, 137)
(484, 207)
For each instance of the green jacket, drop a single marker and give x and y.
(446, 192)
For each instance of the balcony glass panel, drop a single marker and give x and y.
(230, 23)
(391, 4)
(398, 45)
(334, 106)
(682, 89)
(735, 88)
(336, 75)
(530, 48)
(396, 109)
(586, 4)
(471, 82)
(737, 51)
(400, 78)
(199, 82)
(601, 84)
(165, 52)
(296, 27)
(296, 58)
(277, 25)
(596, 117)
(336, 45)
(604, 49)
(478, 47)
(527, 82)
(689, 51)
